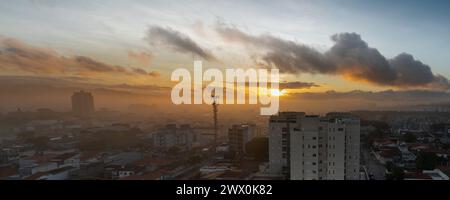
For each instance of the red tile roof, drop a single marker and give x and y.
(8, 171)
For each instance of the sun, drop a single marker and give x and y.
(276, 92)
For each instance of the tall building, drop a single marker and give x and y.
(311, 147)
(239, 136)
(82, 103)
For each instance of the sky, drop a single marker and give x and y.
(339, 45)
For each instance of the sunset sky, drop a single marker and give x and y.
(318, 45)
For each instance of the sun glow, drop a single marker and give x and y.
(276, 92)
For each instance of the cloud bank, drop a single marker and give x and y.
(350, 57)
(297, 85)
(18, 56)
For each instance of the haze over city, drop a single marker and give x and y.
(224, 90)
(371, 55)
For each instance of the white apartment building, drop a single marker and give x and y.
(310, 147)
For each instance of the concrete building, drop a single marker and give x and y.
(82, 103)
(170, 136)
(239, 136)
(8, 155)
(311, 147)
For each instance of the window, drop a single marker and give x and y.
(314, 138)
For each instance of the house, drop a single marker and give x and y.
(67, 159)
(435, 174)
(391, 154)
(36, 163)
(9, 172)
(119, 171)
(55, 174)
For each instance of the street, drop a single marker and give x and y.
(375, 169)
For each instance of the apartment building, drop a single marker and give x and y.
(311, 147)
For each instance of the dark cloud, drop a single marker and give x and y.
(411, 71)
(356, 60)
(292, 57)
(17, 56)
(140, 87)
(177, 41)
(350, 57)
(143, 72)
(297, 85)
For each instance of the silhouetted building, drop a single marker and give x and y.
(239, 136)
(82, 103)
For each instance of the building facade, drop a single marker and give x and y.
(183, 137)
(311, 147)
(239, 136)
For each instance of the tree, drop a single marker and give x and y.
(173, 150)
(389, 166)
(410, 138)
(395, 173)
(195, 159)
(426, 161)
(446, 146)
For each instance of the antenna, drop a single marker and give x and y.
(215, 110)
